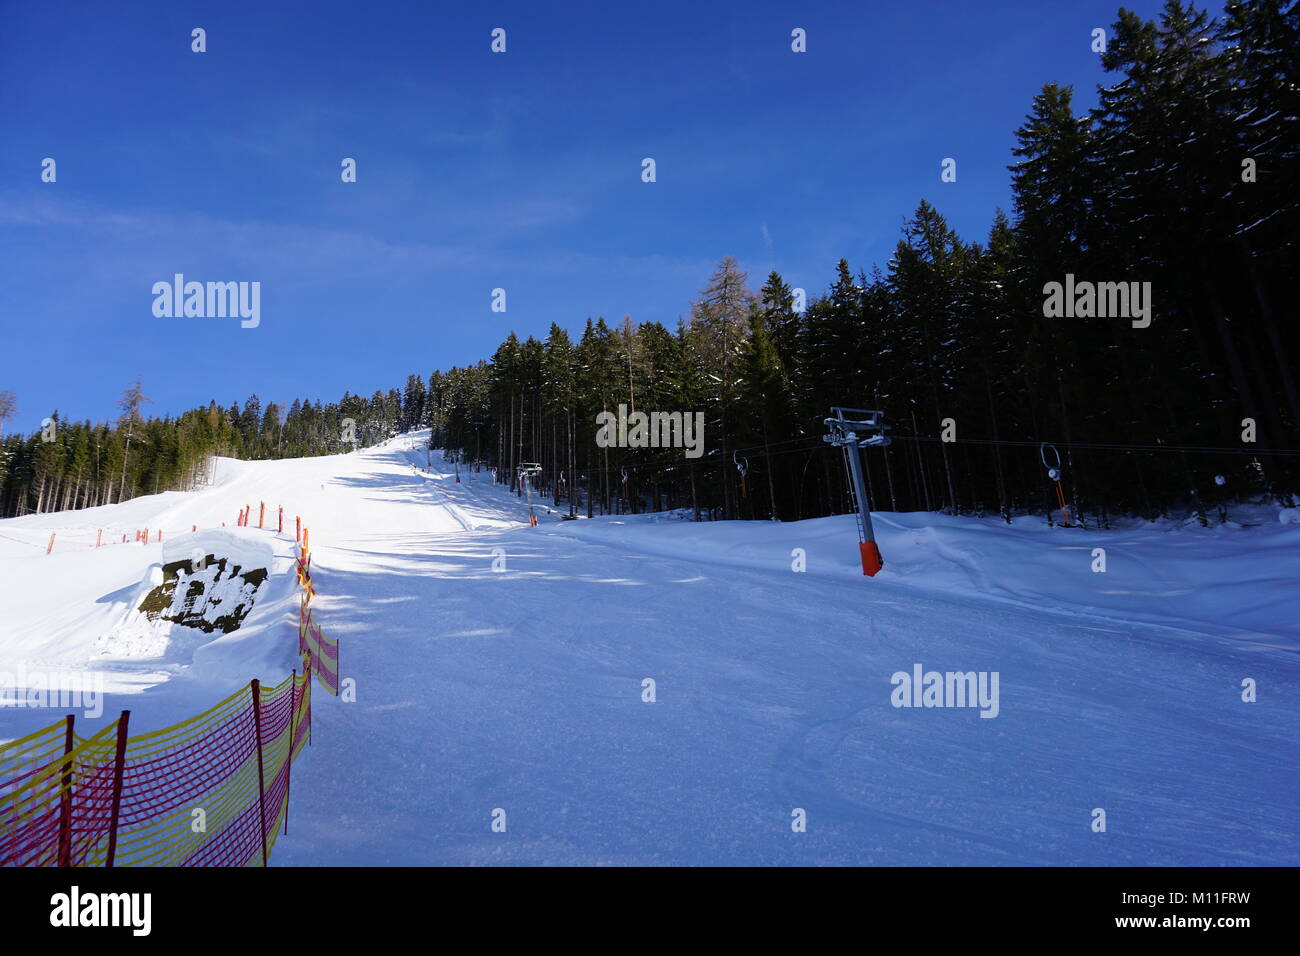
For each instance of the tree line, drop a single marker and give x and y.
(69, 464)
(1182, 177)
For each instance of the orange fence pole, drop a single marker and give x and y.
(117, 787)
(99, 536)
(51, 547)
(261, 784)
(261, 513)
(293, 739)
(65, 801)
(297, 527)
(281, 528)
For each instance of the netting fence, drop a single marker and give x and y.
(212, 790)
(320, 651)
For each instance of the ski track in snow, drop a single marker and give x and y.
(522, 689)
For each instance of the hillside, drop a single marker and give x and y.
(520, 686)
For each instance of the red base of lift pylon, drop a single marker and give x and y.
(871, 559)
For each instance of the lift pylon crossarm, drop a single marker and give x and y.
(869, 417)
(866, 427)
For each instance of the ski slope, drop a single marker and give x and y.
(520, 689)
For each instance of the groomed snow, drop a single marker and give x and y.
(521, 688)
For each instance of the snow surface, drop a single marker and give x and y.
(521, 688)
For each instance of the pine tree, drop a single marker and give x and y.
(132, 399)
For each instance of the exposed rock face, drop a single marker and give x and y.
(212, 595)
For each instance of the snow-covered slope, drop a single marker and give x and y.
(499, 666)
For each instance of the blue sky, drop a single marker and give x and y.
(476, 170)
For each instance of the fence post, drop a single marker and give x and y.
(280, 530)
(160, 531)
(65, 800)
(120, 760)
(297, 527)
(288, 762)
(261, 781)
(99, 536)
(306, 673)
(261, 514)
(51, 547)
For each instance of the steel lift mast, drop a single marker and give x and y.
(853, 429)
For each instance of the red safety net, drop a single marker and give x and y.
(211, 791)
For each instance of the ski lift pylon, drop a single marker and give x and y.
(1054, 474)
(743, 468)
(851, 429)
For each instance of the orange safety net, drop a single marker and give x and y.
(210, 791)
